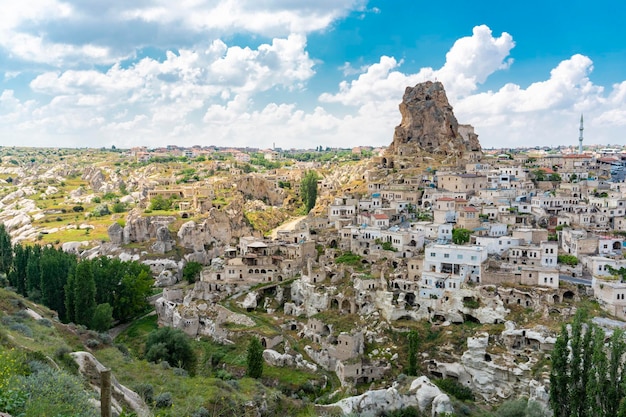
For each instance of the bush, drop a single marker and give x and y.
(45, 322)
(123, 349)
(92, 343)
(119, 207)
(163, 400)
(570, 260)
(172, 346)
(22, 328)
(146, 392)
(101, 210)
(201, 412)
(191, 271)
(56, 393)
(454, 388)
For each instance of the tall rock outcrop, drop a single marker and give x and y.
(429, 126)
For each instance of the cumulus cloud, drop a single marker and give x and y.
(546, 111)
(75, 32)
(225, 94)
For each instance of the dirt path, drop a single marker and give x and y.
(290, 225)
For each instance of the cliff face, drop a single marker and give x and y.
(429, 125)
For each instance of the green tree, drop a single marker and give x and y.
(102, 318)
(413, 339)
(588, 377)
(160, 203)
(17, 276)
(520, 407)
(570, 260)
(84, 288)
(460, 236)
(255, 358)
(131, 295)
(55, 267)
(191, 271)
(33, 274)
(170, 345)
(6, 251)
(308, 190)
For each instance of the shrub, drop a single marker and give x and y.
(163, 400)
(570, 260)
(191, 271)
(172, 346)
(146, 392)
(92, 343)
(123, 349)
(180, 372)
(119, 207)
(455, 388)
(56, 393)
(22, 328)
(101, 210)
(200, 412)
(45, 322)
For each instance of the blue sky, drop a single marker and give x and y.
(300, 73)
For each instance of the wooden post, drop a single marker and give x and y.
(105, 392)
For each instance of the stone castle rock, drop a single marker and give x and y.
(429, 126)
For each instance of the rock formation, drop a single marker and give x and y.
(420, 393)
(429, 125)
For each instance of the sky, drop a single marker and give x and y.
(303, 73)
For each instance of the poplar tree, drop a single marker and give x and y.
(6, 250)
(255, 358)
(588, 376)
(84, 294)
(308, 190)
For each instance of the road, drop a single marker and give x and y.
(573, 280)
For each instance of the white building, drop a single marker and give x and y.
(446, 267)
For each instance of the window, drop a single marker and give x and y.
(459, 257)
(432, 254)
(446, 255)
(473, 257)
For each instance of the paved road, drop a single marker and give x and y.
(573, 280)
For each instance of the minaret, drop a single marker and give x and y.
(580, 137)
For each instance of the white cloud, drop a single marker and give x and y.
(75, 32)
(468, 63)
(233, 95)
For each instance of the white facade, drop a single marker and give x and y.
(446, 267)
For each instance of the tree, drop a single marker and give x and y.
(160, 203)
(191, 271)
(255, 358)
(555, 177)
(84, 288)
(520, 407)
(570, 260)
(172, 346)
(308, 190)
(17, 276)
(588, 377)
(131, 295)
(6, 251)
(413, 345)
(102, 318)
(460, 236)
